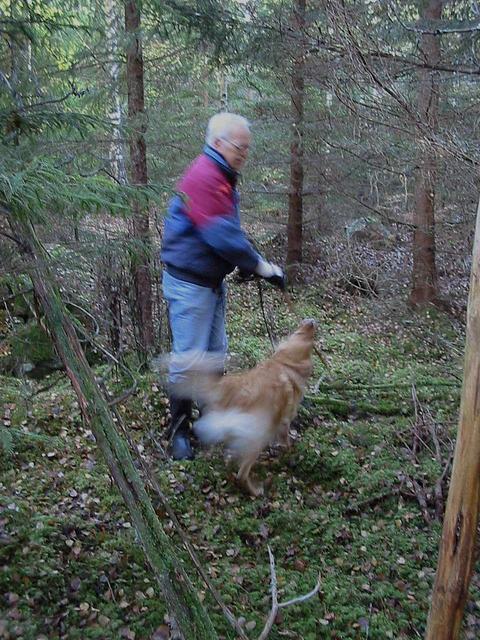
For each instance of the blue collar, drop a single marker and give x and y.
(217, 157)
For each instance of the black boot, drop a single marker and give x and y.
(179, 432)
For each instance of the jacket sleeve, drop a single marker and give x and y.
(211, 207)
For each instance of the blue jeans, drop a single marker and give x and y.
(197, 319)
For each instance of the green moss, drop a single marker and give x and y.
(334, 503)
(30, 343)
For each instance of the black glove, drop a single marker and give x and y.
(272, 274)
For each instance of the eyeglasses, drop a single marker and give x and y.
(240, 148)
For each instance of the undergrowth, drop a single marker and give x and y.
(341, 503)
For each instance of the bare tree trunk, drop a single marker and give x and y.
(117, 157)
(424, 275)
(457, 548)
(138, 171)
(295, 195)
(223, 90)
(180, 595)
(13, 83)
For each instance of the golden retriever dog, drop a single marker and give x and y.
(250, 410)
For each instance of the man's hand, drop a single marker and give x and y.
(271, 273)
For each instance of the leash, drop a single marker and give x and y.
(288, 301)
(262, 306)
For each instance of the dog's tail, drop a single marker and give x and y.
(240, 431)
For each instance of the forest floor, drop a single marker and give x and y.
(353, 500)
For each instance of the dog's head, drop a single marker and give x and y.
(296, 350)
(308, 328)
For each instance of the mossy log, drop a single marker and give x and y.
(339, 407)
(180, 596)
(386, 386)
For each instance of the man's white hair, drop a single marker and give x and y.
(221, 125)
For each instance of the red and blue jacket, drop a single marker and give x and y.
(203, 239)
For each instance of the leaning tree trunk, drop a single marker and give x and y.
(424, 274)
(138, 171)
(295, 195)
(180, 596)
(457, 547)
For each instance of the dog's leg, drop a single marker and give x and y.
(243, 475)
(284, 428)
(284, 434)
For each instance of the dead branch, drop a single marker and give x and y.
(277, 605)
(436, 27)
(438, 488)
(69, 303)
(303, 598)
(417, 409)
(274, 610)
(424, 419)
(421, 499)
(372, 500)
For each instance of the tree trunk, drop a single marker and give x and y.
(295, 195)
(138, 171)
(223, 90)
(457, 547)
(424, 275)
(180, 596)
(117, 157)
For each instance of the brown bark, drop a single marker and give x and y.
(457, 547)
(295, 196)
(223, 91)
(139, 176)
(180, 595)
(424, 275)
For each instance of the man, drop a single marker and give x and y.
(203, 242)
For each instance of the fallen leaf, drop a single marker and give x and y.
(299, 564)
(75, 584)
